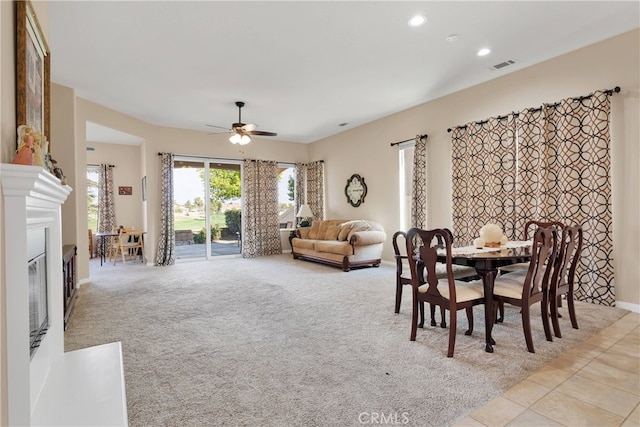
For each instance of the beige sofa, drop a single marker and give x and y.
(341, 243)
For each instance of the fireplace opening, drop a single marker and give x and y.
(38, 301)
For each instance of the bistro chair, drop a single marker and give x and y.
(448, 293)
(523, 289)
(564, 275)
(131, 244)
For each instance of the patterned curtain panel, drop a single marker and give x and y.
(167, 240)
(260, 228)
(301, 189)
(419, 187)
(568, 147)
(106, 211)
(483, 177)
(315, 189)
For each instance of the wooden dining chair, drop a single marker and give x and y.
(563, 279)
(524, 289)
(529, 230)
(403, 275)
(447, 293)
(130, 244)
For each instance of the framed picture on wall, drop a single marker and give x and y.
(32, 71)
(144, 188)
(125, 191)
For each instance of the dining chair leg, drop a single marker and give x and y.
(554, 318)
(545, 318)
(414, 319)
(453, 323)
(469, 311)
(421, 324)
(398, 295)
(526, 327)
(572, 311)
(443, 320)
(500, 318)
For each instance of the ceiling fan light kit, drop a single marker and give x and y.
(236, 138)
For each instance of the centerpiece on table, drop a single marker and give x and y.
(491, 236)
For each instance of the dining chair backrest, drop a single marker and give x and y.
(425, 244)
(570, 249)
(531, 226)
(543, 255)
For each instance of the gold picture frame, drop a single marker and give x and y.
(33, 65)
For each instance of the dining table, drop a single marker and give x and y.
(102, 243)
(487, 262)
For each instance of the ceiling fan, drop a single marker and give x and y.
(240, 131)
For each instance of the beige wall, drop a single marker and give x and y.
(145, 162)
(365, 150)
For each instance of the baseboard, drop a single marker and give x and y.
(84, 281)
(628, 306)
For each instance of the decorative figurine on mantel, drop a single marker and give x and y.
(26, 147)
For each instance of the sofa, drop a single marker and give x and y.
(341, 243)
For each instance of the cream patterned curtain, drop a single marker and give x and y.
(483, 174)
(310, 187)
(419, 184)
(565, 176)
(260, 228)
(167, 240)
(106, 210)
(315, 189)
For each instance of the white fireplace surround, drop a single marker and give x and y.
(38, 386)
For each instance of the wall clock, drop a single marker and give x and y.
(356, 190)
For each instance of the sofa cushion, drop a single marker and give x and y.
(304, 243)
(332, 232)
(333, 247)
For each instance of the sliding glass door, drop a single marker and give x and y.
(206, 207)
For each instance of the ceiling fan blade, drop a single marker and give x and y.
(261, 132)
(219, 127)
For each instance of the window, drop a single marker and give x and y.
(92, 197)
(405, 158)
(286, 195)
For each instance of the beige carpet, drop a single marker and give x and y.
(276, 342)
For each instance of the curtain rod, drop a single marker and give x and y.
(578, 99)
(411, 139)
(219, 158)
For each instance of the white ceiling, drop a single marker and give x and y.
(304, 67)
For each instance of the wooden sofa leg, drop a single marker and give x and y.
(345, 264)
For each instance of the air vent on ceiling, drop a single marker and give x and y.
(503, 64)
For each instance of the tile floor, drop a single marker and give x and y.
(594, 384)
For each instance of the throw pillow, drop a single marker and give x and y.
(313, 233)
(359, 226)
(332, 232)
(345, 227)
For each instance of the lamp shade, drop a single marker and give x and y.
(304, 212)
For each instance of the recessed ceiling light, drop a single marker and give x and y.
(484, 51)
(452, 37)
(417, 20)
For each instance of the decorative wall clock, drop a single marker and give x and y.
(356, 190)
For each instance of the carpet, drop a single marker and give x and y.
(273, 341)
